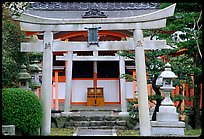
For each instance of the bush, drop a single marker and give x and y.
(132, 108)
(21, 108)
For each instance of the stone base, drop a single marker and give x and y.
(163, 116)
(8, 130)
(169, 109)
(66, 114)
(124, 114)
(171, 128)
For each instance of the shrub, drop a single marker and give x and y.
(21, 108)
(132, 108)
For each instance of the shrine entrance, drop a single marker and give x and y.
(138, 44)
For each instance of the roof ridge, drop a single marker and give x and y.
(85, 6)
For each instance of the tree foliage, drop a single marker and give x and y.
(11, 9)
(12, 58)
(187, 19)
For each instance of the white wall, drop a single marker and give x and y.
(129, 90)
(79, 90)
(110, 90)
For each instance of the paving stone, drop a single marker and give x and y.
(95, 132)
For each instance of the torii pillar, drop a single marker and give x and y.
(123, 88)
(47, 82)
(144, 120)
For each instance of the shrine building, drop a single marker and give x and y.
(89, 73)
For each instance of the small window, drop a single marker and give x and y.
(108, 69)
(82, 69)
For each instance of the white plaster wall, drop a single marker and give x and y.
(79, 90)
(129, 90)
(110, 90)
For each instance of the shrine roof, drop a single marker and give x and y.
(79, 9)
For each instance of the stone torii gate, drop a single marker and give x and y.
(152, 20)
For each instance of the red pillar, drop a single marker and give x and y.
(52, 105)
(56, 91)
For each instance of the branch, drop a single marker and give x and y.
(195, 34)
(152, 101)
(199, 20)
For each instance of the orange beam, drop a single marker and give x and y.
(28, 33)
(179, 52)
(100, 32)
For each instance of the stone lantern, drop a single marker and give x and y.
(167, 119)
(24, 77)
(167, 84)
(35, 80)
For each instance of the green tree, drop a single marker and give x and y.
(12, 58)
(187, 18)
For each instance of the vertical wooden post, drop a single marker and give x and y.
(52, 100)
(56, 91)
(145, 127)
(187, 96)
(95, 78)
(37, 92)
(47, 82)
(192, 92)
(183, 103)
(134, 84)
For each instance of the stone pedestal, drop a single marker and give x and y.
(167, 128)
(8, 130)
(167, 123)
(124, 114)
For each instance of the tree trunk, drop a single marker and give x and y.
(158, 101)
(196, 102)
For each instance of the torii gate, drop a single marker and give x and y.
(152, 20)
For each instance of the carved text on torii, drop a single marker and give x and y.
(48, 45)
(139, 44)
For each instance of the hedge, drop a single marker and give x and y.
(23, 109)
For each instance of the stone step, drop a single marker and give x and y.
(96, 118)
(102, 127)
(94, 132)
(95, 123)
(91, 120)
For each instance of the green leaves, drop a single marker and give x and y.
(21, 108)
(12, 58)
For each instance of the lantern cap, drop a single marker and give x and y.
(167, 73)
(23, 74)
(34, 68)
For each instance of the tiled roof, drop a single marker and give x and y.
(85, 6)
